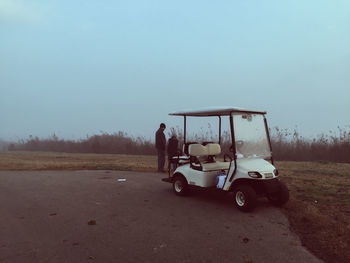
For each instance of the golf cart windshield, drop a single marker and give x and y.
(250, 136)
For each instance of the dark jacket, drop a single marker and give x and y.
(172, 146)
(160, 140)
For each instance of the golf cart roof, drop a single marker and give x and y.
(214, 111)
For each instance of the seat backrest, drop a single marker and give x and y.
(185, 147)
(197, 150)
(213, 148)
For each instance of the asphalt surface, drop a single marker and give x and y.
(90, 216)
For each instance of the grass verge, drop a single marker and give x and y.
(318, 210)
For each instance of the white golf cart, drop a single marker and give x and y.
(248, 169)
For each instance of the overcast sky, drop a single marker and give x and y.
(76, 68)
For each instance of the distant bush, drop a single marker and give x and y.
(333, 147)
(118, 143)
(286, 145)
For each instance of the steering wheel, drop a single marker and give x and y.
(227, 155)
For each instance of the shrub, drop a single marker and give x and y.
(286, 145)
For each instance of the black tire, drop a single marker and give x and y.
(180, 185)
(280, 197)
(244, 197)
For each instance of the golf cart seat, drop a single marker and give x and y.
(209, 150)
(185, 147)
(180, 159)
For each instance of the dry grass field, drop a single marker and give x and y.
(71, 161)
(319, 208)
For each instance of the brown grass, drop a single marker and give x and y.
(318, 211)
(13, 161)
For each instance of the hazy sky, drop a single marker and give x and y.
(80, 67)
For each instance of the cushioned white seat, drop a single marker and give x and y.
(201, 150)
(210, 149)
(213, 148)
(215, 166)
(197, 150)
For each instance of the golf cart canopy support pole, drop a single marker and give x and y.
(268, 138)
(233, 147)
(184, 129)
(233, 150)
(219, 130)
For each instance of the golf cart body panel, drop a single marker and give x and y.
(250, 170)
(202, 168)
(196, 177)
(254, 167)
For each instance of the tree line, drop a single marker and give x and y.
(116, 143)
(291, 146)
(287, 145)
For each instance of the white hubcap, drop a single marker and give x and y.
(178, 186)
(240, 199)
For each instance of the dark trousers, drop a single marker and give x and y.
(161, 160)
(171, 162)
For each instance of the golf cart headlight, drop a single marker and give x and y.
(275, 172)
(254, 174)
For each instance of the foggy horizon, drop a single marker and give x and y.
(78, 68)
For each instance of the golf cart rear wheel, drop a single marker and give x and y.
(280, 197)
(244, 197)
(180, 185)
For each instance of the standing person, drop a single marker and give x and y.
(160, 145)
(172, 150)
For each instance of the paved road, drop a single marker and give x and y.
(45, 216)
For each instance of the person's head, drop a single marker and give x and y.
(162, 126)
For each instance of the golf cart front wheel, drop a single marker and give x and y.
(244, 197)
(279, 197)
(180, 185)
